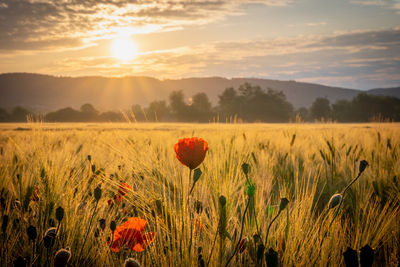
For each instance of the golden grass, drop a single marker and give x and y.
(306, 170)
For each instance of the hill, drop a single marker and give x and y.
(44, 92)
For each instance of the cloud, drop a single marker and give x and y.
(389, 4)
(45, 24)
(359, 59)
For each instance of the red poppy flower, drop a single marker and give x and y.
(191, 151)
(123, 189)
(131, 233)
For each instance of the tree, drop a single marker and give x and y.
(89, 113)
(158, 111)
(254, 104)
(20, 114)
(321, 109)
(4, 116)
(303, 113)
(228, 103)
(178, 106)
(200, 109)
(64, 115)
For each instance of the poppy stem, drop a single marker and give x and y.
(215, 239)
(88, 230)
(241, 234)
(269, 226)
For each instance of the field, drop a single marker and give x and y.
(46, 166)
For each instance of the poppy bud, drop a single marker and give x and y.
(49, 236)
(62, 257)
(198, 206)
(32, 232)
(93, 168)
(196, 175)
(260, 252)
(222, 201)
(131, 262)
(97, 193)
(245, 168)
(59, 214)
(366, 256)
(335, 200)
(271, 258)
(113, 226)
(243, 244)
(102, 223)
(20, 262)
(363, 165)
(48, 241)
(5, 223)
(97, 233)
(283, 204)
(52, 231)
(3, 202)
(201, 262)
(350, 257)
(89, 157)
(257, 238)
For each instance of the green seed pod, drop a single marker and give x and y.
(97, 193)
(283, 204)
(363, 165)
(93, 168)
(62, 257)
(131, 262)
(246, 168)
(113, 226)
(32, 232)
(59, 214)
(89, 157)
(335, 200)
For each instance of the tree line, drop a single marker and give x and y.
(247, 103)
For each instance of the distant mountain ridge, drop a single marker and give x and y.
(44, 92)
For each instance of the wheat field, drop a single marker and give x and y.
(46, 166)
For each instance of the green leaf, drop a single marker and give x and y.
(196, 175)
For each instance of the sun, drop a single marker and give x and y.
(124, 49)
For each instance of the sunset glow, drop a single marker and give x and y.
(124, 49)
(344, 43)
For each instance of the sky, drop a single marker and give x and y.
(345, 43)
